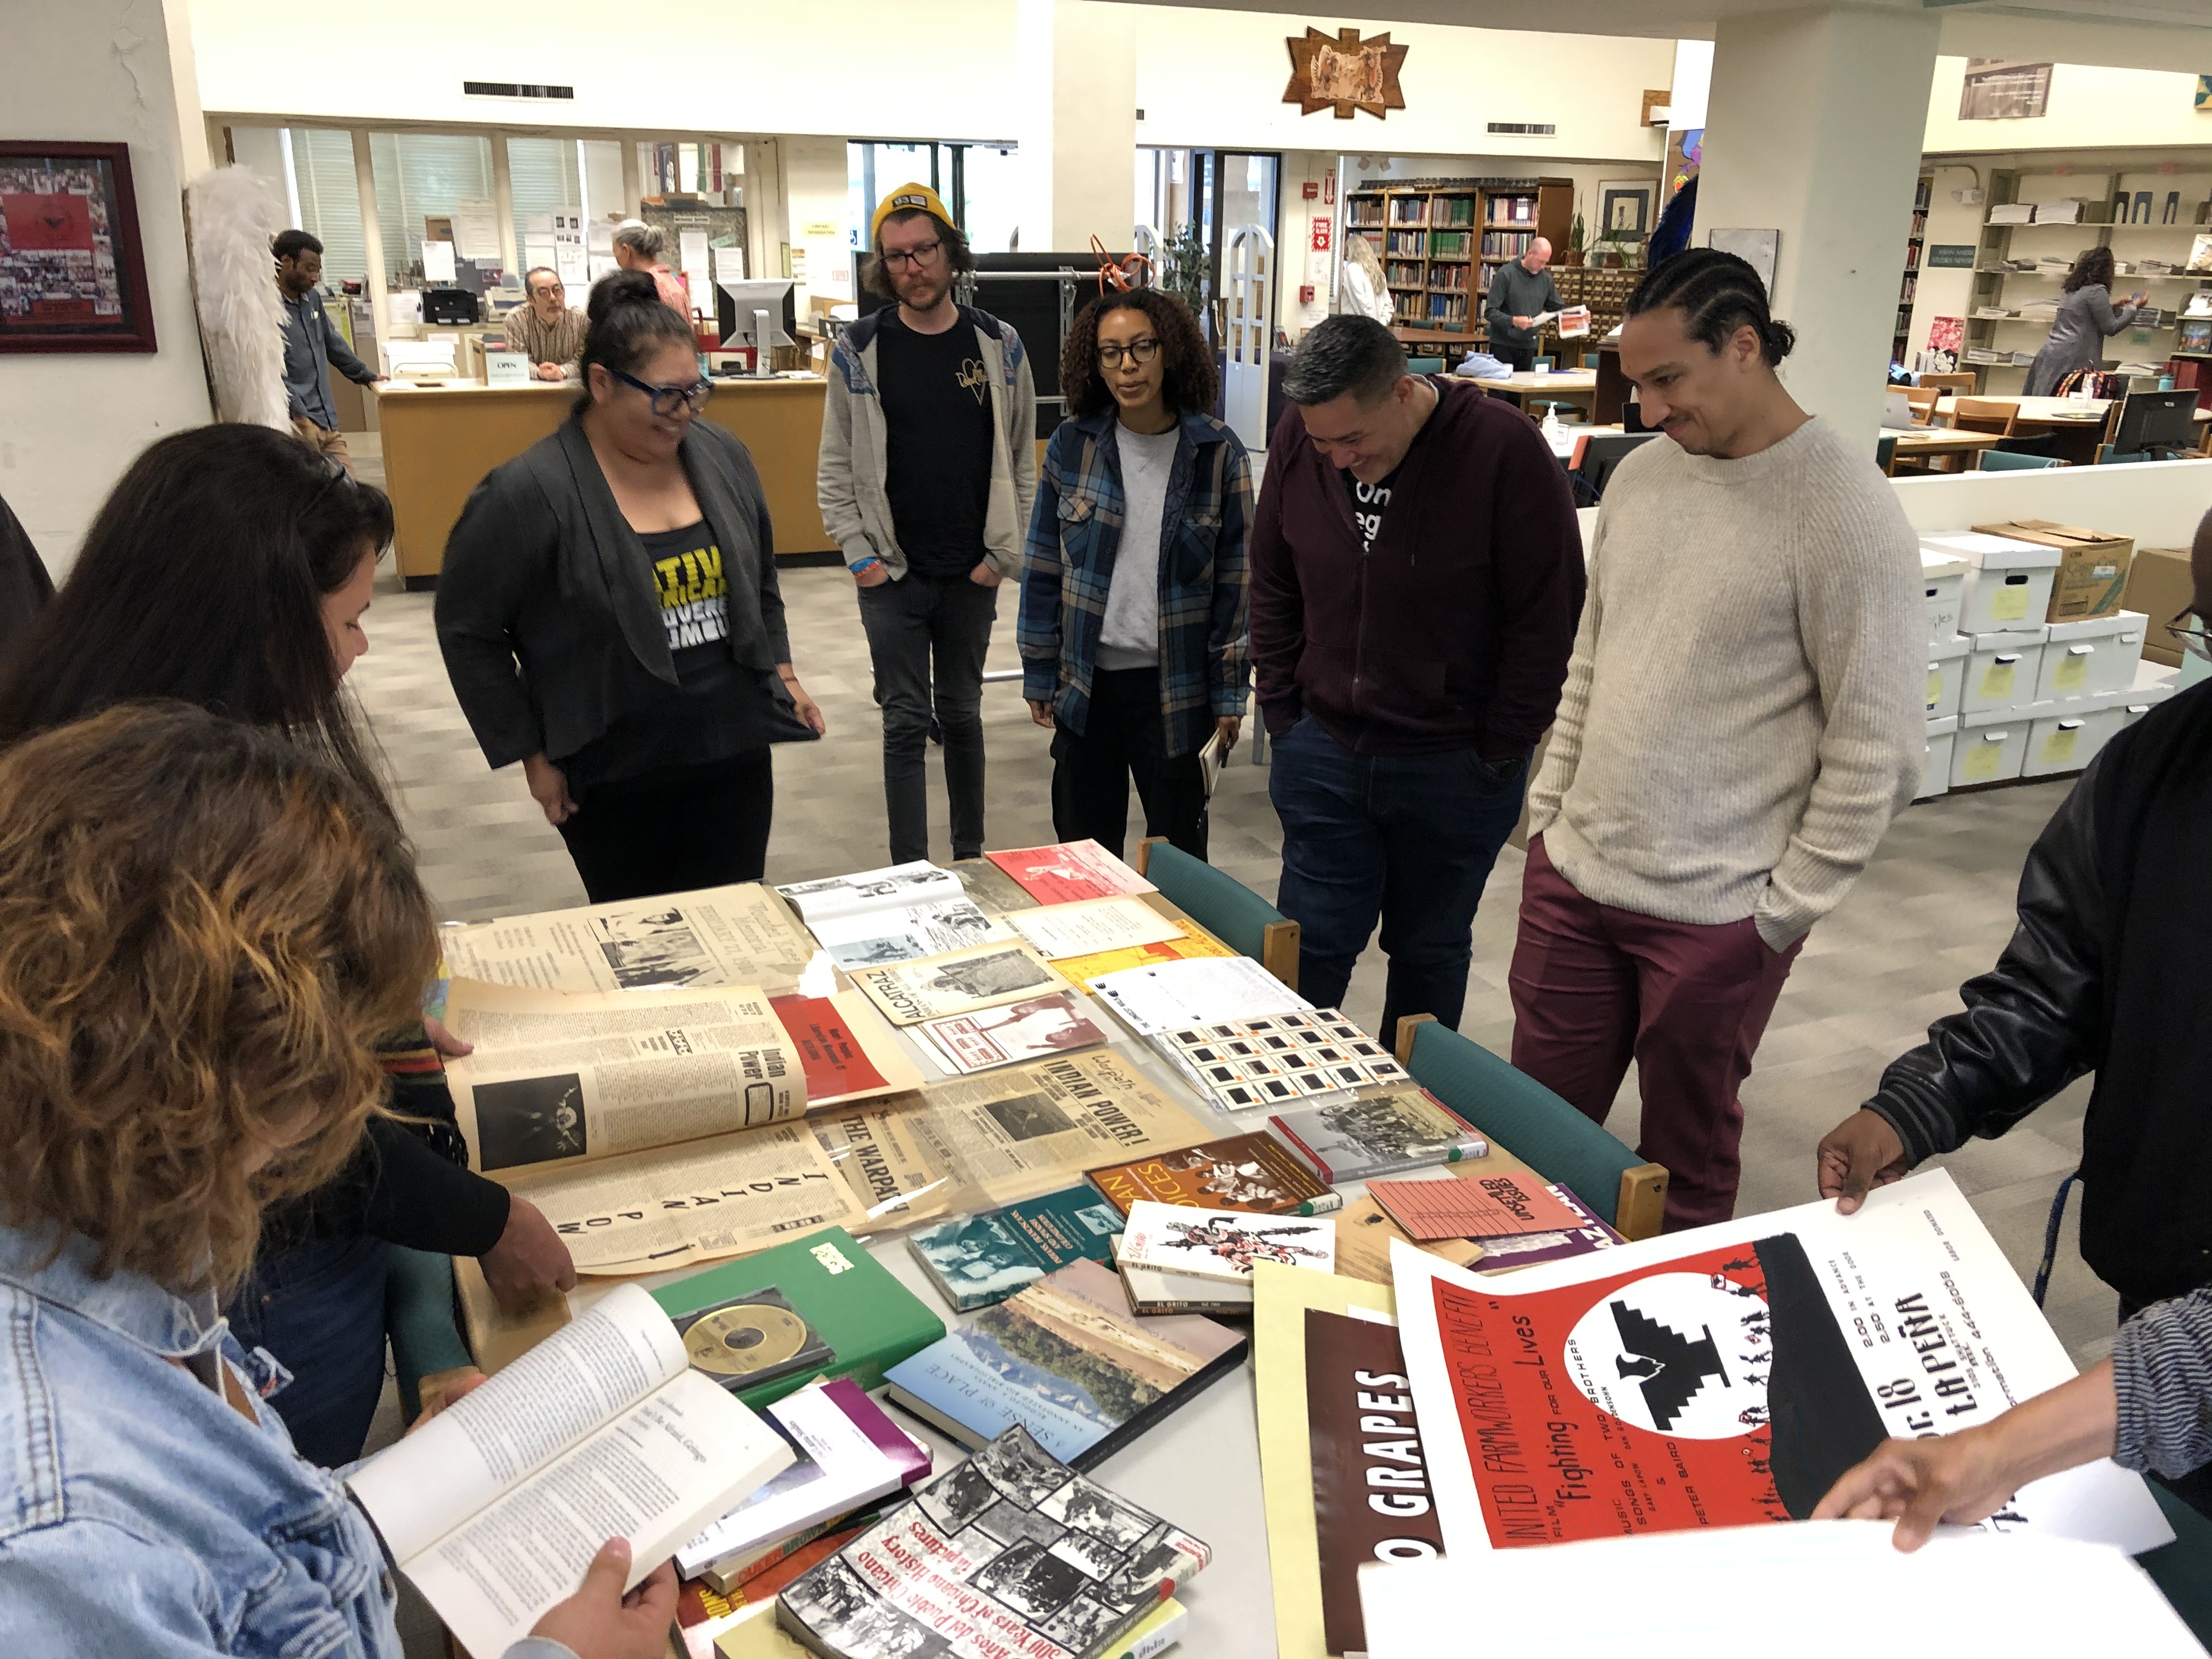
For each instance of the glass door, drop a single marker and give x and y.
(1237, 188)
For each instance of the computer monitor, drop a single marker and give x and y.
(1602, 452)
(2156, 421)
(736, 302)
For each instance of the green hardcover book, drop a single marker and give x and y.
(769, 1324)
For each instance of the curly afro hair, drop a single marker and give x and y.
(1192, 383)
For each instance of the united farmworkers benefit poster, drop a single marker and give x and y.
(1726, 1375)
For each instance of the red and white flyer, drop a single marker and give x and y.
(1068, 870)
(1727, 1376)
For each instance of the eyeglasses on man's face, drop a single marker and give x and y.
(667, 399)
(1137, 351)
(921, 254)
(2190, 629)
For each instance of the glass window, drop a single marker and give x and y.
(330, 200)
(543, 177)
(419, 176)
(602, 179)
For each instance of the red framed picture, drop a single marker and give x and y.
(72, 269)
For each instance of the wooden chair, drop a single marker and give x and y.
(1999, 460)
(1885, 452)
(2105, 458)
(1224, 906)
(1542, 1130)
(1922, 399)
(1960, 383)
(1424, 365)
(1985, 415)
(1590, 360)
(1543, 363)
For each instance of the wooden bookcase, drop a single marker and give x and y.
(1909, 289)
(1439, 239)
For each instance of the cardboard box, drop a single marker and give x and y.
(1935, 770)
(2001, 670)
(2093, 565)
(1990, 748)
(1947, 675)
(2160, 586)
(2007, 581)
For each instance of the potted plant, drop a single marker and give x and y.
(1183, 269)
(1573, 256)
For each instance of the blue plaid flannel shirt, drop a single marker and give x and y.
(1075, 530)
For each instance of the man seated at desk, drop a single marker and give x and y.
(309, 343)
(549, 331)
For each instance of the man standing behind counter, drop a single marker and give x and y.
(309, 343)
(549, 331)
(1417, 571)
(1519, 293)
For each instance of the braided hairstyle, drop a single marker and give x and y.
(1718, 293)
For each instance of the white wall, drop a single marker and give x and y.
(814, 187)
(70, 422)
(2089, 108)
(1217, 78)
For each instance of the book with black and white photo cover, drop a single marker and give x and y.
(1223, 1244)
(1011, 1552)
(959, 982)
(605, 1423)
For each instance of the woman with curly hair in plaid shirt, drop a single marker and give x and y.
(1134, 587)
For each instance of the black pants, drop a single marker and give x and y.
(1122, 739)
(675, 830)
(926, 637)
(1521, 358)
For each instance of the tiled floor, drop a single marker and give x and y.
(1933, 909)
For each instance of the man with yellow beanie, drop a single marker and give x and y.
(928, 466)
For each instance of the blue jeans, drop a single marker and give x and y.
(319, 1309)
(1407, 838)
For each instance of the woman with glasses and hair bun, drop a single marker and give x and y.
(1133, 592)
(610, 617)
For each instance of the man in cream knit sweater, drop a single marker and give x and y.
(1742, 715)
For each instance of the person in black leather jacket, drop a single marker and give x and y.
(2105, 973)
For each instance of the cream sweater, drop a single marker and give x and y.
(1744, 709)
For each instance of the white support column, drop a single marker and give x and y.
(1814, 129)
(1077, 61)
(502, 204)
(632, 178)
(371, 228)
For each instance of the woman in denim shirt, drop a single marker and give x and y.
(203, 929)
(1134, 589)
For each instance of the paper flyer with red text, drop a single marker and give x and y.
(1727, 1375)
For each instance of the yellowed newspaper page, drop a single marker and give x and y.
(958, 982)
(699, 1201)
(561, 1077)
(737, 935)
(894, 1174)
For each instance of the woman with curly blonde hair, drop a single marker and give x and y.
(203, 930)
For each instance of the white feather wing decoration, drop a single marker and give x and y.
(233, 213)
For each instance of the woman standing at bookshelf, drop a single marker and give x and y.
(2086, 318)
(610, 617)
(203, 929)
(230, 568)
(1133, 589)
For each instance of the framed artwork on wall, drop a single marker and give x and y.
(1626, 209)
(72, 268)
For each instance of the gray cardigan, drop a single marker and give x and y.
(2085, 318)
(546, 613)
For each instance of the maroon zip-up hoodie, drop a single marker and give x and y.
(1453, 631)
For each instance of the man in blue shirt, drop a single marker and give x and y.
(309, 341)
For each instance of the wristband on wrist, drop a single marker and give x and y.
(868, 563)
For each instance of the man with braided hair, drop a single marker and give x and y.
(1742, 716)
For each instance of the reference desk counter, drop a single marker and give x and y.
(440, 441)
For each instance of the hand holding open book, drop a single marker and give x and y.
(496, 1508)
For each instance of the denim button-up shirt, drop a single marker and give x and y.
(309, 339)
(139, 1511)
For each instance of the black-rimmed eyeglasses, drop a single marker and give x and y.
(667, 399)
(2197, 639)
(1138, 351)
(898, 259)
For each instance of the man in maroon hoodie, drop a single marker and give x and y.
(1417, 575)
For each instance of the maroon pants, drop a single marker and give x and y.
(1594, 986)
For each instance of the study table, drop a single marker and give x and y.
(1577, 386)
(1199, 1467)
(440, 441)
(1921, 441)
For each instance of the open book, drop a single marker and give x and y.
(495, 1508)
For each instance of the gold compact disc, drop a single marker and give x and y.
(748, 1337)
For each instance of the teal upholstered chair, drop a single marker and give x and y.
(1424, 365)
(1996, 460)
(1224, 906)
(1535, 1124)
(2182, 1570)
(2105, 458)
(1590, 360)
(1884, 452)
(418, 1315)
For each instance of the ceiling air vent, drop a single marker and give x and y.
(513, 89)
(1527, 129)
